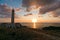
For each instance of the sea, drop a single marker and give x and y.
(40, 25)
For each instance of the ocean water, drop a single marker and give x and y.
(40, 25)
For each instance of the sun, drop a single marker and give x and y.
(34, 20)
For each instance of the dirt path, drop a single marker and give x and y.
(48, 36)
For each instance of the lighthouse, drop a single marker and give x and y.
(13, 24)
(12, 17)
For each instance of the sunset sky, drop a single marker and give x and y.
(26, 10)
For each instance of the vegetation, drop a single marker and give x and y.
(21, 33)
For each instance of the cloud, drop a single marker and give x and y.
(46, 5)
(30, 14)
(44, 2)
(5, 11)
(55, 13)
(17, 9)
(27, 3)
(51, 7)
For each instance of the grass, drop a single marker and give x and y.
(24, 33)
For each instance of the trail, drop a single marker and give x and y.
(47, 35)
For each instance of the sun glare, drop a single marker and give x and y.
(34, 22)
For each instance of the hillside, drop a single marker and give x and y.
(24, 33)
